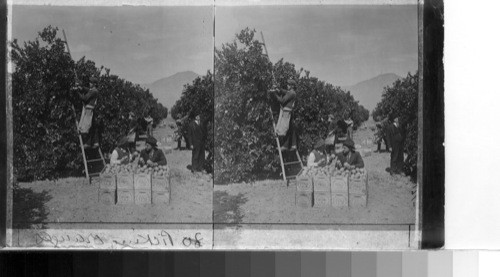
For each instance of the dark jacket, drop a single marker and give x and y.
(394, 135)
(286, 98)
(90, 97)
(354, 159)
(197, 133)
(157, 156)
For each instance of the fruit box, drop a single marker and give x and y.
(339, 184)
(339, 199)
(161, 197)
(304, 183)
(321, 183)
(107, 181)
(322, 199)
(142, 181)
(125, 196)
(125, 181)
(303, 199)
(358, 185)
(160, 183)
(142, 196)
(107, 196)
(357, 200)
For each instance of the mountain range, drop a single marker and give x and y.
(369, 92)
(169, 89)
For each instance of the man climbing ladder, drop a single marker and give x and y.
(290, 161)
(284, 126)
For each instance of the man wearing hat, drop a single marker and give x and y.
(318, 156)
(350, 157)
(284, 127)
(197, 139)
(395, 139)
(87, 123)
(120, 154)
(151, 155)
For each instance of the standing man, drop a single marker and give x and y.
(284, 127)
(197, 139)
(149, 128)
(87, 125)
(132, 131)
(381, 135)
(182, 131)
(395, 137)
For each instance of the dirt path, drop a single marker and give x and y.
(74, 200)
(271, 201)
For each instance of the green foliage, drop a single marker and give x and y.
(401, 100)
(198, 98)
(45, 136)
(245, 143)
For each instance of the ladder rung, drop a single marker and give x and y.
(296, 162)
(94, 160)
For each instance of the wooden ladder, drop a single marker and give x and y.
(290, 161)
(93, 159)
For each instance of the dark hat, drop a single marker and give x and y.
(123, 141)
(320, 143)
(152, 141)
(349, 144)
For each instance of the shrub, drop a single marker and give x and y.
(198, 98)
(401, 99)
(45, 137)
(244, 139)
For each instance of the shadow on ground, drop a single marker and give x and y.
(29, 209)
(227, 207)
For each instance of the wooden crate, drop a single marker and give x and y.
(142, 196)
(125, 196)
(161, 197)
(321, 183)
(125, 181)
(142, 181)
(107, 196)
(358, 186)
(160, 183)
(107, 181)
(339, 184)
(303, 199)
(357, 200)
(304, 184)
(340, 199)
(322, 199)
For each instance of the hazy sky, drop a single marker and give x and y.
(339, 44)
(139, 44)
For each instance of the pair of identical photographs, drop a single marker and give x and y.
(156, 68)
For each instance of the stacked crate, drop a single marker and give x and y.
(304, 192)
(339, 190)
(125, 188)
(107, 188)
(322, 197)
(160, 189)
(358, 190)
(142, 188)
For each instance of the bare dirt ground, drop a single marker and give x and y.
(271, 201)
(73, 200)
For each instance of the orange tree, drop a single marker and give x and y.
(244, 141)
(45, 137)
(198, 98)
(401, 100)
